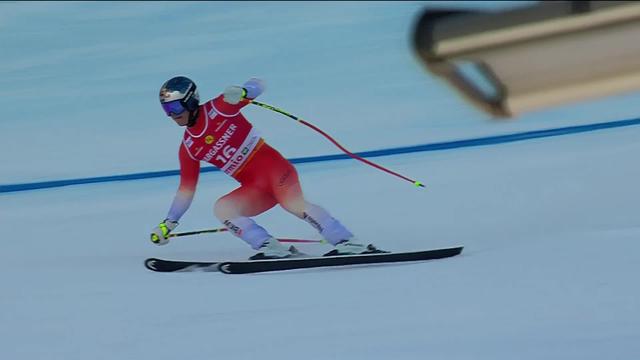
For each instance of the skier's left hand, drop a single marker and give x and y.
(234, 94)
(160, 234)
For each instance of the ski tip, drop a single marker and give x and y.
(150, 264)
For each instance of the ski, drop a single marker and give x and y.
(258, 266)
(163, 265)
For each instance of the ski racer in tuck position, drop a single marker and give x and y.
(216, 132)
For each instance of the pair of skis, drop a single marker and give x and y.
(260, 266)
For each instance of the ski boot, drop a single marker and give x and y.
(273, 249)
(349, 247)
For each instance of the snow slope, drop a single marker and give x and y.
(550, 230)
(550, 225)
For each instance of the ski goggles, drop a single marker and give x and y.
(173, 107)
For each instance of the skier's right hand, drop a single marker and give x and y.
(160, 234)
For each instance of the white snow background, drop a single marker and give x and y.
(550, 226)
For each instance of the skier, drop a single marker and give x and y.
(216, 132)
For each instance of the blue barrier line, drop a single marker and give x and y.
(490, 140)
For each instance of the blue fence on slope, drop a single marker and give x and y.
(490, 140)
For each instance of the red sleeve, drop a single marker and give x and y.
(189, 171)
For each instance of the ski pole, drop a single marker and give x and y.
(273, 108)
(225, 229)
(197, 232)
(305, 241)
